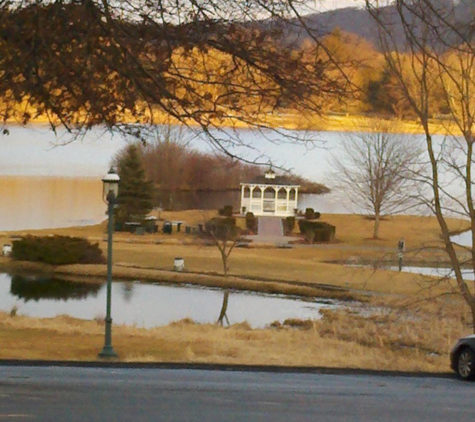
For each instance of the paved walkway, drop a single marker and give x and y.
(270, 226)
(270, 230)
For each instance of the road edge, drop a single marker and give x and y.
(224, 367)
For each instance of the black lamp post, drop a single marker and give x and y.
(110, 193)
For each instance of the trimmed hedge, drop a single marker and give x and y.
(57, 250)
(226, 211)
(289, 224)
(251, 222)
(316, 231)
(310, 214)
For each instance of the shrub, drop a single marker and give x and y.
(251, 222)
(57, 250)
(289, 225)
(310, 214)
(316, 231)
(226, 211)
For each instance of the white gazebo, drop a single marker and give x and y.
(269, 195)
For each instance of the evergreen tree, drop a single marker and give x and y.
(136, 192)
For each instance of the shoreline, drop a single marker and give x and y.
(324, 123)
(95, 273)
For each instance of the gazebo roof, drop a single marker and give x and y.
(277, 180)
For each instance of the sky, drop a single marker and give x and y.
(337, 4)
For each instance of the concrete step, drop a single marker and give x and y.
(270, 226)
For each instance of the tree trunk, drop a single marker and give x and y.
(376, 225)
(224, 308)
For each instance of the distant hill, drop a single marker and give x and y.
(358, 21)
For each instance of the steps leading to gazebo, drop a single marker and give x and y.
(270, 226)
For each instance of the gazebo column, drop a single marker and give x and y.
(251, 197)
(243, 197)
(262, 198)
(287, 199)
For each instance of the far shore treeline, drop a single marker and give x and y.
(183, 177)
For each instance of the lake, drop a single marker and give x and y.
(48, 180)
(147, 304)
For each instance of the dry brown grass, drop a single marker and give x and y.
(336, 341)
(418, 231)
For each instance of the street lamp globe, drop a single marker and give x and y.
(110, 184)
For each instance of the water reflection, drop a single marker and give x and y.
(224, 309)
(39, 288)
(148, 305)
(48, 202)
(128, 291)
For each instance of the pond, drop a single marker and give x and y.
(442, 272)
(464, 238)
(148, 304)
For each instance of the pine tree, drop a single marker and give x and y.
(136, 192)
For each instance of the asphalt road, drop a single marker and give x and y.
(118, 394)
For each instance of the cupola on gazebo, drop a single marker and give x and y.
(269, 195)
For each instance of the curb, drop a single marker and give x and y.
(224, 367)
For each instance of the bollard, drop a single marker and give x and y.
(179, 264)
(7, 249)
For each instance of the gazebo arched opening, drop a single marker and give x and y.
(282, 194)
(292, 194)
(269, 200)
(257, 193)
(247, 192)
(269, 193)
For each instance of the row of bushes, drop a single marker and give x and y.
(314, 231)
(226, 211)
(317, 231)
(57, 250)
(288, 225)
(251, 222)
(311, 214)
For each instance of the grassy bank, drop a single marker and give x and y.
(406, 321)
(362, 344)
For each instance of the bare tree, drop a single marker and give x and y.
(375, 171)
(439, 53)
(225, 234)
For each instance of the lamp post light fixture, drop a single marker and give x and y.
(110, 192)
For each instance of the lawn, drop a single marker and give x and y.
(410, 322)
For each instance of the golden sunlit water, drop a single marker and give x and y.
(34, 202)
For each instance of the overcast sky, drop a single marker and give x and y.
(337, 4)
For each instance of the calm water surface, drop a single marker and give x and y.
(47, 181)
(70, 195)
(147, 305)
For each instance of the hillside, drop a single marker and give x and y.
(358, 21)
